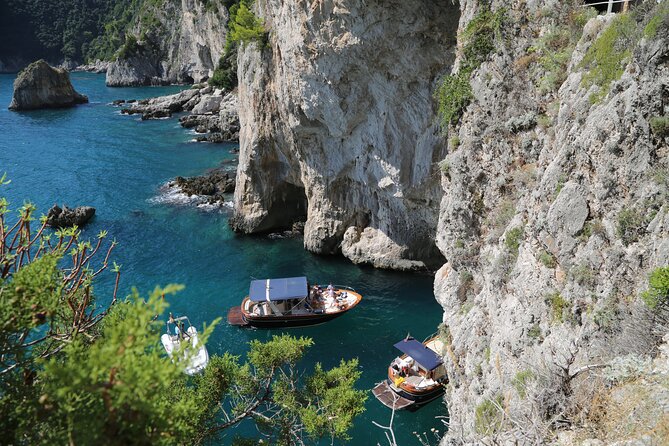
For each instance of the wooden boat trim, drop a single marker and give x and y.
(296, 317)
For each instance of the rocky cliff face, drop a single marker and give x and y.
(42, 86)
(338, 126)
(554, 212)
(553, 197)
(179, 42)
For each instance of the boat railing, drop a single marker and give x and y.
(344, 287)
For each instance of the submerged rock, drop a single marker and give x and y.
(42, 86)
(65, 217)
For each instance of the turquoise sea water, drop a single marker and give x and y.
(92, 155)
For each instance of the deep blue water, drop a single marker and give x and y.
(92, 155)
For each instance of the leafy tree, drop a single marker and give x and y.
(74, 373)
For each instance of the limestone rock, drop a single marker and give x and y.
(42, 86)
(65, 217)
(538, 279)
(338, 129)
(208, 104)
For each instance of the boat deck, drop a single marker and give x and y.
(390, 399)
(235, 317)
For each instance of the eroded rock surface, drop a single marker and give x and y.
(338, 128)
(42, 86)
(554, 213)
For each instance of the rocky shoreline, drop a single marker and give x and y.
(212, 112)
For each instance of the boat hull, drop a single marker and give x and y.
(419, 399)
(240, 317)
(290, 321)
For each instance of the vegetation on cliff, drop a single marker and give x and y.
(76, 369)
(549, 202)
(243, 27)
(454, 92)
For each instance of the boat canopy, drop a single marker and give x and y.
(278, 289)
(424, 356)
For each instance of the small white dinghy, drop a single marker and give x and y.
(177, 335)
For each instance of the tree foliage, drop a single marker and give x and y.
(243, 27)
(73, 372)
(73, 29)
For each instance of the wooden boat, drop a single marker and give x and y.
(415, 378)
(290, 302)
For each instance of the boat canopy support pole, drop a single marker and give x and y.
(274, 308)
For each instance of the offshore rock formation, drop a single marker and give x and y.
(213, 112)
(338, 126)
(180, 42)
(42, 86)
(554, 212)
(65, 217)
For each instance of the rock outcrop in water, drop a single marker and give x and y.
(213, 185)
(338, 128)
(181, 43)
(65, 217)
(213, 113)
(42, 86)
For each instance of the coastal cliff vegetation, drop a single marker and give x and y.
(558, 167)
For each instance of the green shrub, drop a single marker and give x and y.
(455, 92)
(454, 143)
(606, 58)
(129, 48)
(225, 74)
(631, 225)
(479, 36)
(513, 239)
(501, 216)
(534, 332)
(444, 167)
(560, 307)
(544, 121)
(453, 95)
(521, 380)
(658, 21)
(553, 50)
(245, 27)
(489, 416)
(547, 259)
(606, 317)
(583, 275)
(657, 293)
(660, 126)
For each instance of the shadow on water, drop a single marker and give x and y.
(92, 155)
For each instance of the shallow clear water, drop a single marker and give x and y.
(92, 155)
